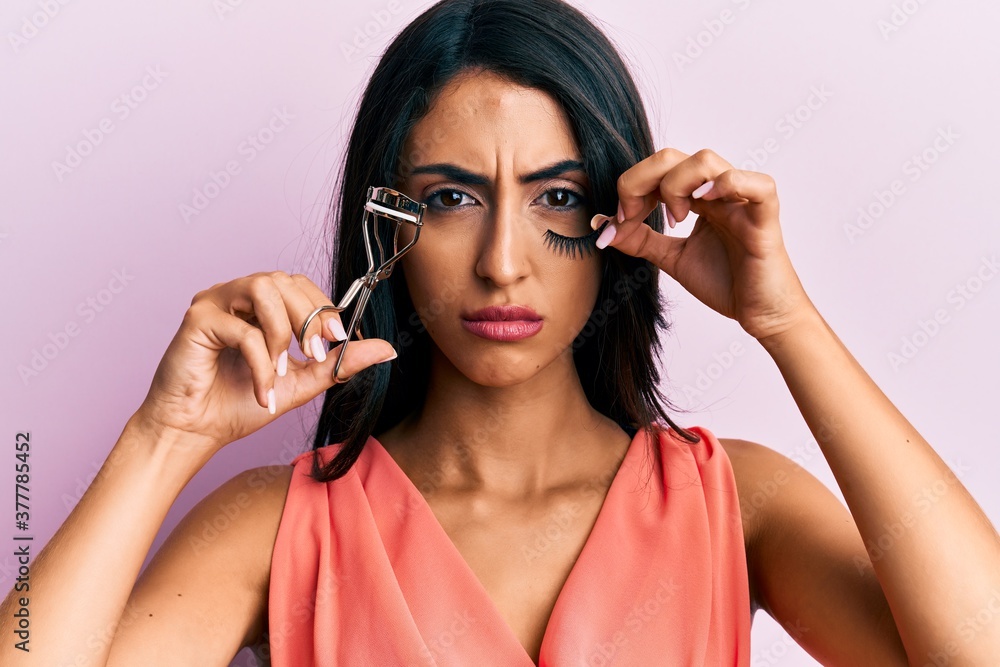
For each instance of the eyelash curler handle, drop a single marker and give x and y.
(400, 209)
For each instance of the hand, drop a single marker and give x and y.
(222, 368)
(734, 260)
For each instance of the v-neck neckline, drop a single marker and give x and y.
(469, 573)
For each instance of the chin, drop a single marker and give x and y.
(497, 368)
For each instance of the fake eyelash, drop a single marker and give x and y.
(575, 247)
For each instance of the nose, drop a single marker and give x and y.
(503, 255)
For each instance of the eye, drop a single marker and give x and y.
(574, 247)
(562, 198)
(447, 198)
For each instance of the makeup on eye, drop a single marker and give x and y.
(581, 199)
(574, 247)
(571, 246)
(429, 200)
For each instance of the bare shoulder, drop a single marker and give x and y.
(771, 485)
(203, 596)
(751, 463)
(807, 564)
(760, 473)
(763, 477)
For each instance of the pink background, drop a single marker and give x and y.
(224, 68)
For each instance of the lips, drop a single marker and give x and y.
(503, 314)
(503, 323)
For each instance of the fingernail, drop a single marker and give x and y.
(598, 220)
(607, 236)
(337, 329)
(283, 364)
(389, 358)
(670, 218)
(317, 348)
(270, 401)
(621, 213)
(702, 190)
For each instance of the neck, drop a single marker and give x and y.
(514, 441)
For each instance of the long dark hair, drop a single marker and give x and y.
(542, 44)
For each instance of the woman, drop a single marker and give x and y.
(501, 491)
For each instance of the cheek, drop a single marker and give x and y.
(572, 287)
(581, 276)
(442, 251)
(586, 300)
(591, 285)
(434, 278)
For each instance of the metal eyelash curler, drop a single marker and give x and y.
(396, 208)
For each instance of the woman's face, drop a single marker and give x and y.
(507, 204)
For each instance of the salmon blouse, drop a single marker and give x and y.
(362, 572)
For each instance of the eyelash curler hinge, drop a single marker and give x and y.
(382, 203)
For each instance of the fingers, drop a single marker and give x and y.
(638, 239)
(642, 180)
(753, 187)
(264, 304)
(231, 331)
(678, 180)
(260, 314)
(315, 378)
(690, 180)
(299, 304)
(281, 303)
(328, 322)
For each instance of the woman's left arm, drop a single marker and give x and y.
(942, 572)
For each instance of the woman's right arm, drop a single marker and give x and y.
(81, 581)
(202, 598)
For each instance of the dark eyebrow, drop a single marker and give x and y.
(558, 169)
(465, 177)
(452, 173)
